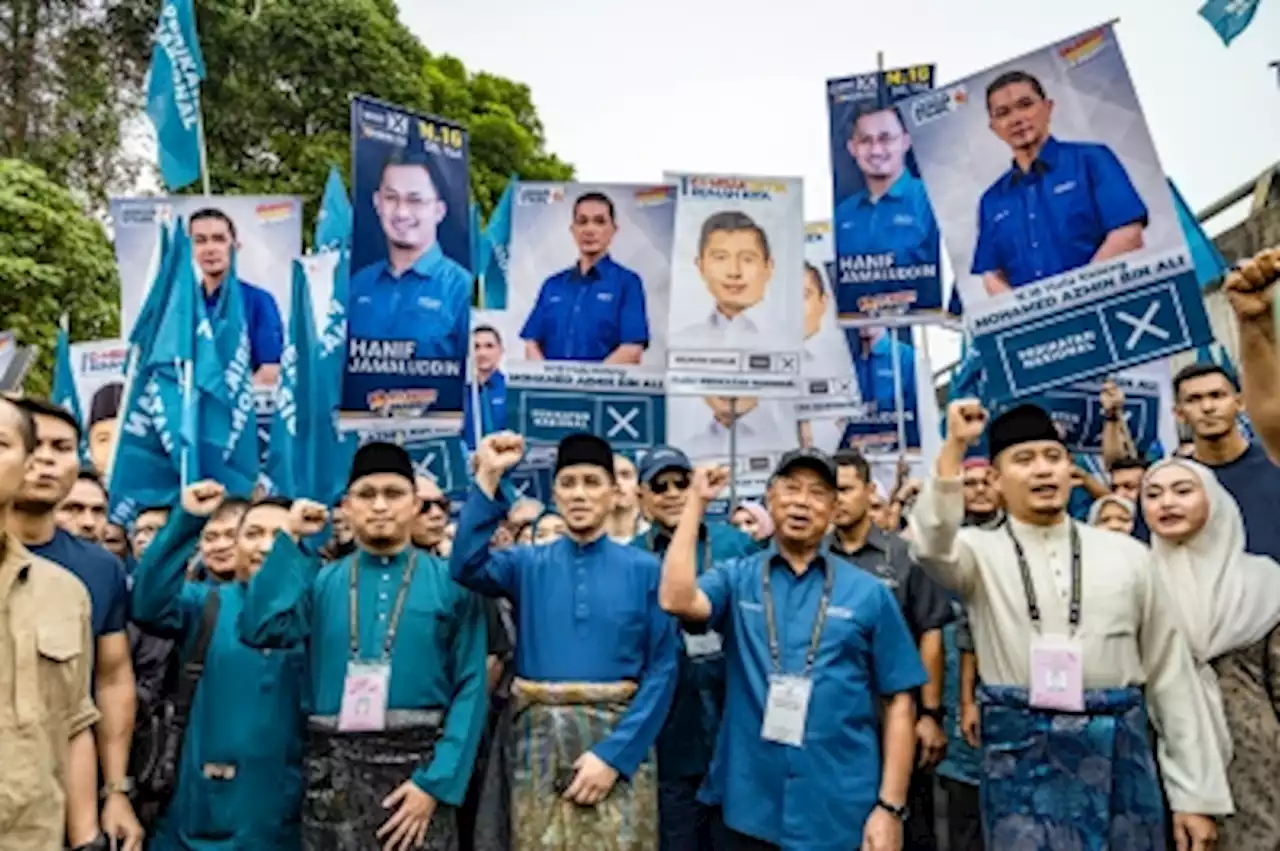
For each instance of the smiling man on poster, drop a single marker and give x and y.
(1060, 206)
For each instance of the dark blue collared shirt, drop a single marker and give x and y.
(584, 317)
(687, 740)
(429, 304)
(816, 797)
(493, 409)
(584, 613)
(1054, 217)
(901, 222)
(262, 315)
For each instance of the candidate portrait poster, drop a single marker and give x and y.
(1057, 217)
(736, 323)
(886, 237)
(264, 235)
(896, 404)
(409, 298)
(589, 282)
(829, 388)
(97, 369)
(749, 434)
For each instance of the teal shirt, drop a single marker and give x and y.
(437, 660)
(246, 711)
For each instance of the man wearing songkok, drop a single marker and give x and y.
(1077, 641)
(396, 668)
(595, 662)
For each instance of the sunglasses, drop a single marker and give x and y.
(428, 504)
(678, 483)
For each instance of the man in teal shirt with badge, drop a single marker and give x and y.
(396, 668)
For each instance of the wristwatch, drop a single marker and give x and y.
(112, 787)
(900, 813)
(934, 712)
(99, 844)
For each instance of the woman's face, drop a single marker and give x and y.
(746, 522)
(1116, 517)
(1175, 503)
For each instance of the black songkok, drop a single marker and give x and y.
(373, 458)
(583, 448)
(1023, 424)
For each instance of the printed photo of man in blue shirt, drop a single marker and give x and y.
(593, 311)
(1060, 206)
(891, 213)
(416, 293)
(213, 239)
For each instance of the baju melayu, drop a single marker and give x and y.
(595, 670)
(240, 771)
(1077, 640)
(395, 688)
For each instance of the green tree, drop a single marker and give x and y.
(54, 259)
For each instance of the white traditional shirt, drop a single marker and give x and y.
(748, 332)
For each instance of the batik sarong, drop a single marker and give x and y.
(350, 774)
(1069, 782)
(545, 728)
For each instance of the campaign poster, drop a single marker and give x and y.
(737, 290)
(1077, 412)
(886, 237)
(262, 232)
(439, 458)
(409, 298)
(1058, 220)
(749, 434)
(485, 405)
(588, 294)
(894, 402)
(97, 369)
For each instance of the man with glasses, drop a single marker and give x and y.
(396, 661)
(416, 293)
(431, 526)
(686, 740)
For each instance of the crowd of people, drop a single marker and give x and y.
(622, 670)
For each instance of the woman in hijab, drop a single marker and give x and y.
(751, 519)
(1115, 513)
(1229, 601)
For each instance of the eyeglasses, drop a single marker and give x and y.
(428, 504)
(679, 483)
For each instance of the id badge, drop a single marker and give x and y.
(703, 645)
(1057, 673)
(786, 710)
(364, 698)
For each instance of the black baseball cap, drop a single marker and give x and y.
(809, 459)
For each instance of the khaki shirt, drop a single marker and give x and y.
(46, 657)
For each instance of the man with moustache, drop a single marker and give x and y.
(595, 662)
(83, 512)
(239, 781)
(216, 555)
(818, 737)
(431, 526)
(687, 739)
(395, 653)
(627, 520)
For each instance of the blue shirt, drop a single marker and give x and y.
(1054, 217)
(1254, 480)
(584, 317)
(101, 574)
(437, 658)
(429, 304)
(493, 409)
(687, 740)
(900, 221)
(584, 613)
(816, 797)
(262, 315)
(247, 711)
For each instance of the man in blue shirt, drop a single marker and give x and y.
(891, 213)
(417, 293)
(1060, 206)
(486, 357)
(816, 747)
(872, 349)
(213, 240)
(594, 311)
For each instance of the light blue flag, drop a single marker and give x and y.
(1209, 262)
(498, 236)
(333, 223)
(64, 380)
(1229, 18)
(173, 93)
(302, 422)
(332, 362)
(480, 247)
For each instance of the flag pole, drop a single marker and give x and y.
(733, 453)
(204, 156)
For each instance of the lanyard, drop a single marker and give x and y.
(771, 622)
(1033, 607)
(396, 612)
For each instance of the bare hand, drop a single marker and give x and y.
(203, 498)
(1250, 287)
(909, 491)
(498, 453)
(971, 724)
(407, 827)
(708, 482)
(594, 780)
(883, 832)
(966, 420)
(120, 824)
(1193, 832)
(1112, 398)
(932, 742)
(306, 518)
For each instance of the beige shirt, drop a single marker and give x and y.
(1128, 626)
(46, 656)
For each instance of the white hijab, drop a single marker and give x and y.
(1227, 599)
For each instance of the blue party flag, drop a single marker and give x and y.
(173, 93)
